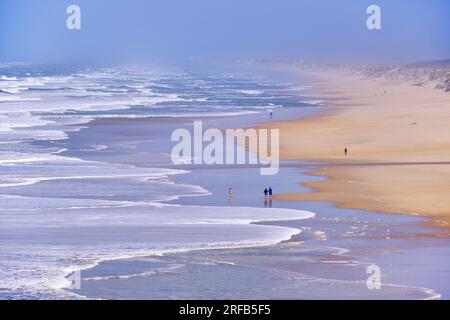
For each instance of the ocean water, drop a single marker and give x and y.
(327, 260)
(61, 213)
(88, 193)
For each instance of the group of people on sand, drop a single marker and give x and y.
(268, 192)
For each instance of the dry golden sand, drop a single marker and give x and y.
(398, 137)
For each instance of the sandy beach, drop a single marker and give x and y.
(398, 141)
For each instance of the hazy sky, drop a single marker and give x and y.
(175, 30)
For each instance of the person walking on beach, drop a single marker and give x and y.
(270, 191)
(230, 194)
(345, 150)
(266, 192)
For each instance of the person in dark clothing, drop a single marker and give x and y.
(270, 191)
(266, 192)
(345, 151)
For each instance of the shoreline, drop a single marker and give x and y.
(398, 150)
(124, 165)
(329, 231)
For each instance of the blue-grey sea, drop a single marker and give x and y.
(91, 205)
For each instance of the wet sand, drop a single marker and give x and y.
(398, 143)
(327, 260)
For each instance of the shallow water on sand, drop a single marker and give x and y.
(328, 259)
